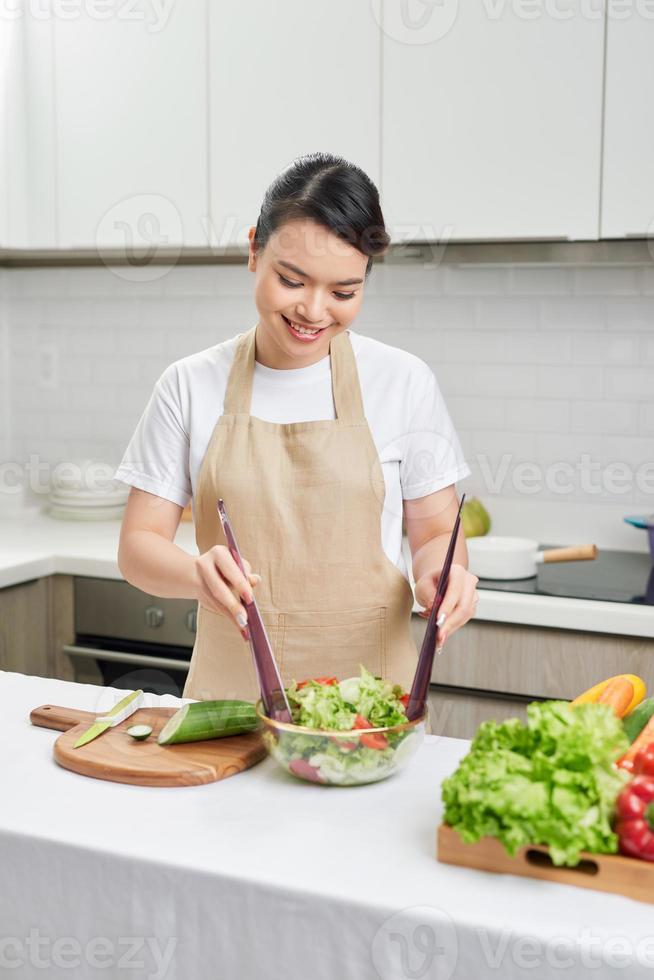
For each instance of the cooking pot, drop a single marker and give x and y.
(497, 557)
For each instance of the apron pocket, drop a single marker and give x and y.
(314, 644)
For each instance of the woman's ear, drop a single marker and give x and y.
(252, 254)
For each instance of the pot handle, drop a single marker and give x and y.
(579, 552)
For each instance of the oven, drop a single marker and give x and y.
(128, 639)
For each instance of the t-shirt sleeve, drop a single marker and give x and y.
(432, 457)
(157, 456)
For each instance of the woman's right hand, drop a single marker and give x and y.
(222, 587)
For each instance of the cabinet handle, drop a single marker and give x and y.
(140, 659)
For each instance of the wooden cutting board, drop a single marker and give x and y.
(116, 756)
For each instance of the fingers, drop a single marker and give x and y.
(222, 585)
(459, 603)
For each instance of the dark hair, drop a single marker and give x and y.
(332, 192)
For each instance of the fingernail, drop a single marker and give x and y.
(439, 649)
(441, 619)
(254, 575)
(242, 620)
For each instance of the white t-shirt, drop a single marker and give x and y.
(410, 425)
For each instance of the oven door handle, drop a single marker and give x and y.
(139, 659)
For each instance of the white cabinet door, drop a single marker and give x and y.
(491, 119)
(131, 111)
(26, 136)
(286, 79)
(628, 176)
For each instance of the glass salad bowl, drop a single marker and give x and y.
(341, 758)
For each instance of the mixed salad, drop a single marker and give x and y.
(357, 705)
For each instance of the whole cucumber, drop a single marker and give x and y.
(635, 722)
(202, 720)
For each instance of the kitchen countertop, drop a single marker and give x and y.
(34, 544)
(265, 876)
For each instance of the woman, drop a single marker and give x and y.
(318, 439)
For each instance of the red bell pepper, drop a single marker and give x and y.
(375, 741)
(318, 680)
(644, 761)
(635, 818)
(405, 700)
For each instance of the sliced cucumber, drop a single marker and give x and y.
(139, 732)
(202, 720)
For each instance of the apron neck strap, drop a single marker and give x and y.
(348, 402)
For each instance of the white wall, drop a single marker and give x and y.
(539, 365)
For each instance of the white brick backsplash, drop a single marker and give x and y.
(475, 281)
(540, 281)
(604, 348)
(507, 314)
(572, 314)
(539, 363)
(569, 382)
(443, 314)
(630, 314)
(630, 382)
(491, 379)
(606, 281)
(538, 414)
(476, 413)
(603, 417)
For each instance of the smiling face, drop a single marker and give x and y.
(309, 287)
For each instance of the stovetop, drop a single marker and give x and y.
(614, 576)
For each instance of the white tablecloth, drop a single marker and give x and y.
(262, 877)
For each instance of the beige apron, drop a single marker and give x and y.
(305, 501)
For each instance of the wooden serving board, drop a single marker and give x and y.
(599, 872)
(116, 756)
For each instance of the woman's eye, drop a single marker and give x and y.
(287, 282)
(298, 285)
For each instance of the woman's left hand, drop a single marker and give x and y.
(459, 602)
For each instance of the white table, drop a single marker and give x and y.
(263, 877)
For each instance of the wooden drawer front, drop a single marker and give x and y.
(458, 714)
(536, 662)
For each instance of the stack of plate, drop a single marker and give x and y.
(87, 496)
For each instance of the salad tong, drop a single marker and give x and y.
(419, 688)
(273, 695)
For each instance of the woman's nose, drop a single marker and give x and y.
(312, 310)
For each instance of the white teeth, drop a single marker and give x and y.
(302, 329)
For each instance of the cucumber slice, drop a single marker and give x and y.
(139, 732)
(202, 720)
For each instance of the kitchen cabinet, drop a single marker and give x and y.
(283, 83)
(627, 195)
(491, 122)
(36, 620)
(27, 198)
(491, 670)
(131, 139)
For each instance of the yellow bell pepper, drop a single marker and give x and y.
(593, 694)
